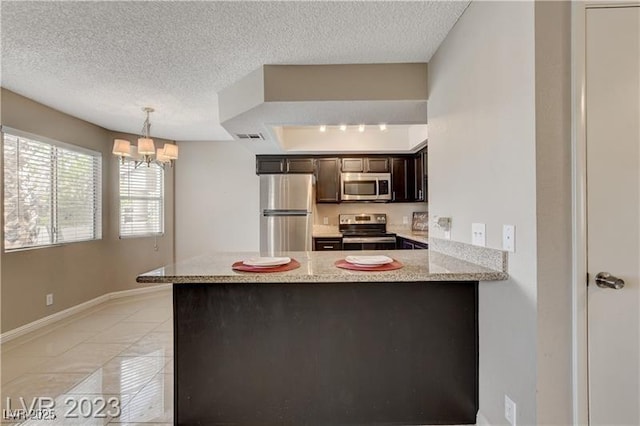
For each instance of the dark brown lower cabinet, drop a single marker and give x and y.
(407, 244)
(325, 244)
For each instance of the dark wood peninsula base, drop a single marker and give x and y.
(396, 353)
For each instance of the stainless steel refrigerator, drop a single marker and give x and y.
(285, 213)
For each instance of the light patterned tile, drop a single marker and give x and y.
(84, 358)
(95, 322)
(152, 314)
(121, 375)
(168, 367)
(49, 385)
(51, 344)
(123, 332)
(14, 366)
(154, 403)
(153, 344)
(166, 326)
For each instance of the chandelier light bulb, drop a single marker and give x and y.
(383, 127)
(343, 127)
(323, 128)
(361, 128)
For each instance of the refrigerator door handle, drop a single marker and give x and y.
(279, 213)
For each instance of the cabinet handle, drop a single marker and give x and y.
(327, 247)
(394, 195)
(420, 193)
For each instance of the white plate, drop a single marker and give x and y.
(267, 262)
(369, 260)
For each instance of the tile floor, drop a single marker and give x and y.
(118, 352)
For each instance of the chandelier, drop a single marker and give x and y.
(145, 151)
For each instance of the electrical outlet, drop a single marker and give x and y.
(49, 300)
(405, 220)
(510, 410)
(325, 220)
(509, 238)
(478, 234)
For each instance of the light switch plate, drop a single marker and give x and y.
(49, 300)
(478, 234)
(405, 220)
(325, 220)
(509, 238)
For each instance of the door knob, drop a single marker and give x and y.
(606, 280)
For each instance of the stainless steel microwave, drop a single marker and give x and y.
(365, 187)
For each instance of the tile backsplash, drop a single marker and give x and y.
(395, 211)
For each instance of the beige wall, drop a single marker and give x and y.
(75, 272)
(482, 168)
(217, 199)
(553, 209)
(499, 153)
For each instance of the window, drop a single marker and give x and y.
(52, 192)
(141, 199)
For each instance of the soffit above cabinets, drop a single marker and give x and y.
(279, 108)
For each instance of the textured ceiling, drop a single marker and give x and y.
(104, 61)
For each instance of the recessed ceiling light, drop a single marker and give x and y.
(343, 127)
(323, 128)
(361, 128)
(383, 127)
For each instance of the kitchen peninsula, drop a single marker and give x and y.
(321, 345)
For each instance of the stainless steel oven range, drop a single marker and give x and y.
(367, 231)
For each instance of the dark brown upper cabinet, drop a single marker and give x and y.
(300, 165)
(402, 179)
(421, 175)
(353, 165)
(365, 165)
(276, 165)
(269, 165)
(376, 165)
(328, 180)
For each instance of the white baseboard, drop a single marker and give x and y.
(481, 420)
(48, 320)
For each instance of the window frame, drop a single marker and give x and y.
(98, 204)
(136, 165)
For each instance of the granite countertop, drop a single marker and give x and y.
(318, 267)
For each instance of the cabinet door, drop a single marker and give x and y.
(328, 180)
(269, 165)
(353, 165)
(300, 165)
(327, 244)
(420, 246)
(404, 244)
(419, 192)
(399, 187)
(377, 165)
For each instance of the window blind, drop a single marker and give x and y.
(141, 200)
(52, 193)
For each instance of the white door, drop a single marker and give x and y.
(613, 213)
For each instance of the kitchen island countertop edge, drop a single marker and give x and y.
(318, 267)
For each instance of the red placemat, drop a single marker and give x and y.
(239, 266)
(342, 263)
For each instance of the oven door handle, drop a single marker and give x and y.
(347, 240)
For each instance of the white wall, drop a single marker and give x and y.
(217, 199)
(482, 168)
